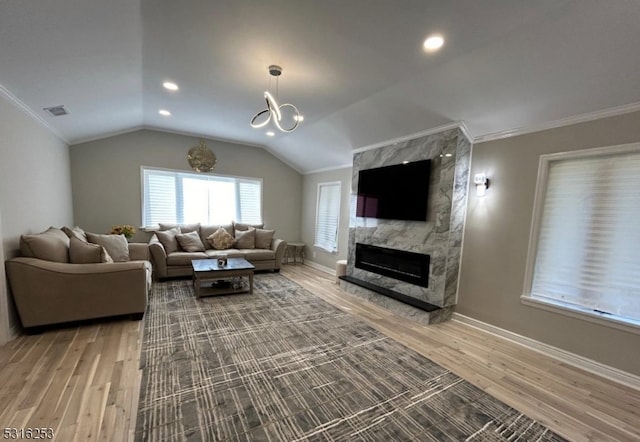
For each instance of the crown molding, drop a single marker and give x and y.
(582, 118)
(107, 135)
(27, 110)
(329, 169)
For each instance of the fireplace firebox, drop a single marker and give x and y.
(398, 264)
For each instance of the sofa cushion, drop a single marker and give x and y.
(50, 245)
(81, 252)
(245, 226)
(184, 258)
(207, 230)
(190, 242)
(75, 232)
(245, 239)
(221, 239)
(230, 253)
(184, 228)
(258, 254)
(168, 239)
(263, 238)
(116, 245)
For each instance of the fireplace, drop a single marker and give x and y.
(405, 266)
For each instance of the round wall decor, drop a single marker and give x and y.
(201, 159)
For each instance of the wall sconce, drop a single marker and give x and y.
(482, 183)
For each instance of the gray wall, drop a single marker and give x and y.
(497, 234)
(107, 185)
(309, 200)
(35, 187)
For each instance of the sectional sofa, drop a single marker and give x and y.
(61, 279)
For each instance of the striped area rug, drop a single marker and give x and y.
(284, 365)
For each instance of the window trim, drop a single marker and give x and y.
(609, 320)
(165, 169)
(315, 232)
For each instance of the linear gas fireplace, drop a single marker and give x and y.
(398, 264)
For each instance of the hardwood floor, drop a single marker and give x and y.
(83, 382)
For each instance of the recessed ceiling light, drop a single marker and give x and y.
(171, 86)
(270, 133)
(433, 42)
(164, 112)
(448, 154)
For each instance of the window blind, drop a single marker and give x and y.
(182, 197)
(588, 251)
(327, 216)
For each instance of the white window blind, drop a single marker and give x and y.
(327, 216)
(588, 250)
(183, 197)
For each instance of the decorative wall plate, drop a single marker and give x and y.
(201, 159)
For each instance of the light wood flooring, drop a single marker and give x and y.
(83, 382)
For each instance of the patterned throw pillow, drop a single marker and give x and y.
(220, 239)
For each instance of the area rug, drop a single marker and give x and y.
(284, 365)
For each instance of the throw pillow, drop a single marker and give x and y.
(245, 226)
(246, 239)
(190, 242)
(81, 252)
(184, 228)
(221, 239)
(168, 239)
(207, 230)
(51, 245)
(75, 232)
(116, 245)
(263, 238)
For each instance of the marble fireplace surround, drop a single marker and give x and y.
(440, 236)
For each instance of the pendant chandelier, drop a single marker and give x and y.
(286, 117)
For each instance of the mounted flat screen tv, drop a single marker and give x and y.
(397, 192)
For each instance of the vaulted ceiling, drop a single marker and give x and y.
(356, 68)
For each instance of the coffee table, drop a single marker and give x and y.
(207, 270)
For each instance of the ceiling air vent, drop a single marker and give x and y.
(57, 111)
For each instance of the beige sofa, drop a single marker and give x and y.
(173, 261)
(49, 289)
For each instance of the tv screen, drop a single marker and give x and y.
(394, 192)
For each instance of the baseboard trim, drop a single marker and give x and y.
(611, 373)
(320, 267)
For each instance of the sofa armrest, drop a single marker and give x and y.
(139, 251)
(47, 292)
(278, 246)
(158, 257)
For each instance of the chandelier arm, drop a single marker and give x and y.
(256, 116)
(296, 119)
(273, 106)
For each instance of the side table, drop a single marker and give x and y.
(295, 252)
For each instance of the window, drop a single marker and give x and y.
(183, 197)
(584, 250)
(327, 216)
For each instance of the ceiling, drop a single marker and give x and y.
(356, 69)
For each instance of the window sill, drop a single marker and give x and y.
(605, 319)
